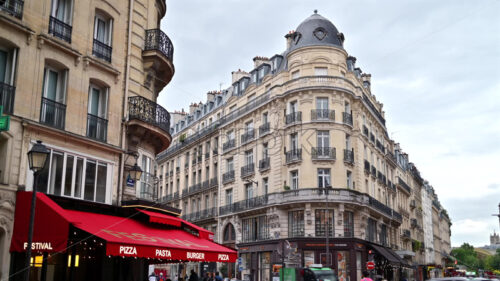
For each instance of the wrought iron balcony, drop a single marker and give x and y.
(102, 50)
(53, 113)
(97, 127)
(413, 223)
(194, 188)
(264, 129)
(365, 131)
(294, 155)
(347, 118)
(12, 7)
(7, 95)
(205, 184)
(264, 164)
(323, 153)
(248, 136)
(207, 155)
(228, 177)
(244, 205)
(214, 182)
(248, 170)
(349, 156)
(322, 115)
(294, 117)
(157, 40)
(367, 167)
(404, 185)
(228, 145)
(406, 233)
(150, 112)
(60, 29)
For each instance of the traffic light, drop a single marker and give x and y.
(371, 255)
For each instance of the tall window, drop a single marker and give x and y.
(347, 107)
(8, 57)
(249, 190)
(322, 103)
(60, 19)
(323, 139)
(320, 71)
(147, 182)
(324, 220)
(347, 142)
(75, 176)
(371, 232)
(348, 224)
(296, 223)
(229, 196)
(265, 185)
(293, 107)
(265, 150)
(383, 235)
(255, 229)
(349, 179)
(229, 164)
(265, 118)
(248, 157)
(97, 123)
(214, 200)
(294, 180)
(53, 111)
(294, 141)
(103, 29)
(324, 178)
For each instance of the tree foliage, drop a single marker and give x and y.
(466, 255)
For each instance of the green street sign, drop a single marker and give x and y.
(4, 121)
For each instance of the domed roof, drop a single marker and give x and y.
(316, 30)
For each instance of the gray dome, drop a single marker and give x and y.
(316, 30)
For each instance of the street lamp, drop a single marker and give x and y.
(37, 158)
(135, 172)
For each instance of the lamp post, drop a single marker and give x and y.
(135, 172)
(37, 158)
(325, 189)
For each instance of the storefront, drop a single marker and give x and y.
(260, 261)
(114, 244)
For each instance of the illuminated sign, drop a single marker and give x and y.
(163, 253)
(39, 246)
(128, 250)
(195, 256)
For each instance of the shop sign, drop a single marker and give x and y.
(4, 121)
(40, 246)
(195, 256)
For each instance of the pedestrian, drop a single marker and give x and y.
(161, 277)
(207, 276)
(193, 276)
(217, 276)
(366, 276)
(152, 277)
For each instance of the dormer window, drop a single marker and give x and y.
(235, 89)
(254, 77)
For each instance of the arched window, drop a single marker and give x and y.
(229, 234)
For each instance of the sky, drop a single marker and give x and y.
(435, 66)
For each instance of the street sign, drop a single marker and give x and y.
(4, 121)
(370, 265)
(130, 181)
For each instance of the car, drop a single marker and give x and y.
(456, 278)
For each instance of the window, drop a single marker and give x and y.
(265, 150)
(103, 29)
(349, 179)
(248, 157)
(320, 71)
(324, 220)
(60, 19)
(249, 190)
(348, 224)
(323, 139)
(230, 135)
(294, 180)
(292, 107)
(347, 107)
(8, 57)
(383, 235)
(147, 178)
(235, 89)
(265, 186)
(214, 200)
(53, 112)
(229, 196)
(294, 141)
(371, 232)
(229, 164)
(265, 118)
(71, 175)
(322, 103)
(186, 182)
(254, 77)
(249, 127)
(97, 123)
(324, 178)
(255, 229)
(347, 142)
(295, 74)
(296, 223)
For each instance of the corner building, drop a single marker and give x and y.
(83, 77)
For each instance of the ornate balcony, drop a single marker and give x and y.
(323, 153)
(264, 164)
(158, 56)
(148, 121)
(248, 136)
(347, 118)
(248, 170)
(97, 127)
(294, 155)
(60, 29)
(228, 145)
(264, 129)
(322, 115)
(294, 117)
(228, 177)
(53, 113)
(13, 8)
(101, 50)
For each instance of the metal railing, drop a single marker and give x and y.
(322, 115)
(264, 164)
(404, 185)
(53, 113)
(347, 118)
(248, 136)
(244, 205)
(248, 170)
(264, 128)
(228, 145)
(228, 177)
(214, 182)
(294, 117)
(349, 156)
(101, 50)
(323, 153)
(7, 95)
(97, 127)
(60, 29)
(406, 233)
(13, 7)
(294, 155)
(157, 40)
(148, 111)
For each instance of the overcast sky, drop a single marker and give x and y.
(435, 66)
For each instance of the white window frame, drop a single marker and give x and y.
(249, 157)
(294, 179)
(68, 10)
(61, 85)
(103, 101)
(108, 28)
(321, 71)
(324, 177)
(323, 138)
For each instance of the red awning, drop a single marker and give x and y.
(124, 236)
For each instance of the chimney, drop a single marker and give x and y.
(236, 75)
(211, 96)
(289, 38)
(259, 60)
(192, 108)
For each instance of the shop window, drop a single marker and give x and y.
(348, 224)
(296, 224)
(324, 220)
(229, 234)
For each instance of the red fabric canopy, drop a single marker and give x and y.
(124, 236)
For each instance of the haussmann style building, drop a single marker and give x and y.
(293, 159)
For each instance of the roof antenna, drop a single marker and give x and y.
(315, 11)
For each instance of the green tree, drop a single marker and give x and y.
(466, 256)
(493, 262)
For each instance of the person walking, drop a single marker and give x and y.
(193, 276)
(366, 276)
(152, 277)
(217, 276)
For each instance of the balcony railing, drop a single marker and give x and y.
(205, 184)
(7, 95)
(148, 189)
(413, 222)
(367, 166)
(244, 205)
(207, 155)
(248, 136)
(228, 145)
(216, 151)
(294, 117)
(12, 7)
(60, 29)
(347, 118)
(248, 170)
(404, 185)
(194, 188)
(228, 177)
(53, 113)
(157, 40)
(214, 182)
(101, 50)
(294, 155)
(148, 111)
(349, 156)
(322, 115)
(323, 153)
(97, 127)
(264, 129)
(264, 164)
(406, 233)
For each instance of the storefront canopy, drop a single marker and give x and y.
(124, 236)
(389, 255)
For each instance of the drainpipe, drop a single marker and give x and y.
(125, 104)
